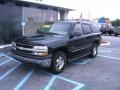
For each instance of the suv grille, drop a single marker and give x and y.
(24, 46)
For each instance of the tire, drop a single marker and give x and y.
(116, 35)
(58, 62)
(94, 51)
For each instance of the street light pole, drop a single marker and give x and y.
(89, 14)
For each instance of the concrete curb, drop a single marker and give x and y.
(105, 43)
(4, 46)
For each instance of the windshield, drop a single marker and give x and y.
(56, 28)
(60, 28)
(44, 29)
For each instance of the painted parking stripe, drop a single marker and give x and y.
(3, 46)
(8, 72)
(71, 81)
(107, 43)
(78, 87)
(105, 51)
(110, 57)
(82, 63)
(21, 83)
(1, 54)
(109, 48)
(5, 62)
(9, 57)
(50, 83)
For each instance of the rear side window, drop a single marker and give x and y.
(95, 28)
(86, 28)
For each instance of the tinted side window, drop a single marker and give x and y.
(86, 28)
(95, 28)
(78, 29)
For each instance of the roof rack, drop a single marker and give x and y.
(77, 20)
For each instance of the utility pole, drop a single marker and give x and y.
(89, 14)
(23, 23)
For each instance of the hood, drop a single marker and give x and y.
(40, 39)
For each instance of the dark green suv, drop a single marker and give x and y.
(64, 42)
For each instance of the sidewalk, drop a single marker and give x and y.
(105, 43)
(5, 50)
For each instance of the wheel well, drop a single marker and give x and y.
(63, 49)
(97, 42)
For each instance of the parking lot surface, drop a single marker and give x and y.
(100, 73)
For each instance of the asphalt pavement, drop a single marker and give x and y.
(100, 73)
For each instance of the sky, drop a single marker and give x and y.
(93, 8)
(90, 9)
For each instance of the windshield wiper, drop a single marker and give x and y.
(41, 32)
(52, 33)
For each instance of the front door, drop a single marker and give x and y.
(76, 42)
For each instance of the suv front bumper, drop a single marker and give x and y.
(46, 62)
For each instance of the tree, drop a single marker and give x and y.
(116, 23)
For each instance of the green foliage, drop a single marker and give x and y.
(116, 23)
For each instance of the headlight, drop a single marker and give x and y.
(40, 50)
(13, 45)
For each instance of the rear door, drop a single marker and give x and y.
(88, 37)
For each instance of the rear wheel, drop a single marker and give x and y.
(110, 34)
(116, 35)
(58, 62)
(94, 51)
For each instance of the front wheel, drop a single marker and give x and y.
(94, 51)
(116, 35)
(58, 62)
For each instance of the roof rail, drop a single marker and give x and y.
(76, 20)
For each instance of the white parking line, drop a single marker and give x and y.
(82, 63)
(109, 48)
(3, 46)
(8, 72)
(78, 87)
(50, 83)
(110, 57)
(23, 80)
(71, 81)
(21, 83)
(8, 57)
(105, 51)
(107, 43)
(5, 62)
(1, 54)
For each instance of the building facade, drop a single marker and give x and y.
(25, 17)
